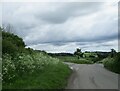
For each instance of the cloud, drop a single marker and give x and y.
(77, 29)
(0, 13)
(62, 25)
(60, 13)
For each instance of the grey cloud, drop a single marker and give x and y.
(67, 10)
(61, 24)
(71, 47)
(80, 40)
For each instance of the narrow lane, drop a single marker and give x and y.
(93, 76)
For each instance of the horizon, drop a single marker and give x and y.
(75, 50)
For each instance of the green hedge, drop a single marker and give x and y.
(113, 64)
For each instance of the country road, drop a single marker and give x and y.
(93, 76)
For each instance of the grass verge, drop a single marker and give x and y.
(53, 77)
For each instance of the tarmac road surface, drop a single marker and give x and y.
(93, 76)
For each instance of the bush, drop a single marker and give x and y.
(8, 47)
(113, 64)
(11, 44)
(14, 39)
(8, 69)
(117, 63)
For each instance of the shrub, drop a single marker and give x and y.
(13, 38)
(12, 44)
(113, 64)
(8, 47)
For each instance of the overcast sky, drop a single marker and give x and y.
(65, 26)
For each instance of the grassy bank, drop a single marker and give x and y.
(25, 68)
(112, 64)
(49, 75)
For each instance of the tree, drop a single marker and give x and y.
(78, 53)
(78, 50)
(113, 52)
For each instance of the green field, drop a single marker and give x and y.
(74, 59)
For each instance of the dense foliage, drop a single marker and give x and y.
(27, 68)
(11, 43)
(113, 63)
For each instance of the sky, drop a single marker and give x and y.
(64, 26)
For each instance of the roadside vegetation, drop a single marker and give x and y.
(112, 62)
(25, 68)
